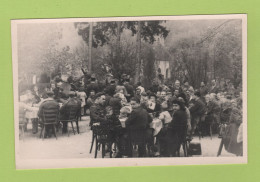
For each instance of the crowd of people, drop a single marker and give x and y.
(129, 112)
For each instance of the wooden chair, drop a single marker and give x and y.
(50, 117)
(73, 117)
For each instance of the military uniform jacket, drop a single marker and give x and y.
(97, 113)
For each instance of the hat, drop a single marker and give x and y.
(99, 94)
(49, 93)
(92, 79)
(72, 94)
(144, 94)
(112, 81)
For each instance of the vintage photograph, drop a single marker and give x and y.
(130, 91)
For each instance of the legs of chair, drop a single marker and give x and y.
(210, 130)
(185, 148)
(77, 124)
(220, 147)
(96, 148)
(54, 131)
(41, 131)
(44, 132)
(92, 142)
(22, 131)
(72, 127)
(103, 145)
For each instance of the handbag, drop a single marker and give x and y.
(194, 149)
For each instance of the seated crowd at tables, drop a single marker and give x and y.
(165, 115)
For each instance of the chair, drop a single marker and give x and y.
(22, 126)
(102, 138)
(73, 117)
(50, 117)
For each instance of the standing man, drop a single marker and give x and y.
(203, 89)
(197, 111)
(129, 89)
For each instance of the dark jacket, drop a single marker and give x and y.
(65, 109)
(203, 91)
(92, 86)
(115, 103)
(110, 90)
(198, 108)
(97, 113)
(130, 90)
(48, 104)
(138, 119)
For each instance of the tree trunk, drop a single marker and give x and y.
(118, 46)
(138, 52)
(90, 47)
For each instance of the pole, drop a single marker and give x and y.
(90, 46)
(138, 52)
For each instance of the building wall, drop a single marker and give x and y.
(164, 66)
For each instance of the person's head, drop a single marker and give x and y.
(158, 94)
(177, 84)
(213, 82)
(53, 85)
(120, 90)
(177, 105)
(135, 103)
(190, 91)
(144, 97)
(186, 83)
(92, 93)
(126, 82)
(59, 84)
(72, 94)
(202, 84)
(35, 88)
(153, 98)
(163, 94)
(138, 91)
(112, 82)
(234, 103)
(117, 95)
(207, 98)
(50, 94)
(176, 92)
(100, 98)
(197, 95)
(181, 99)
(213, 96)
(164, 105)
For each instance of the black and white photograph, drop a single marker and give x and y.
(130, 91)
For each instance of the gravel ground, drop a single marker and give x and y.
(77, 146)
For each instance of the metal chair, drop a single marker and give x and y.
(102, 138)
(50, 118)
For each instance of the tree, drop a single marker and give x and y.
(103, 33)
